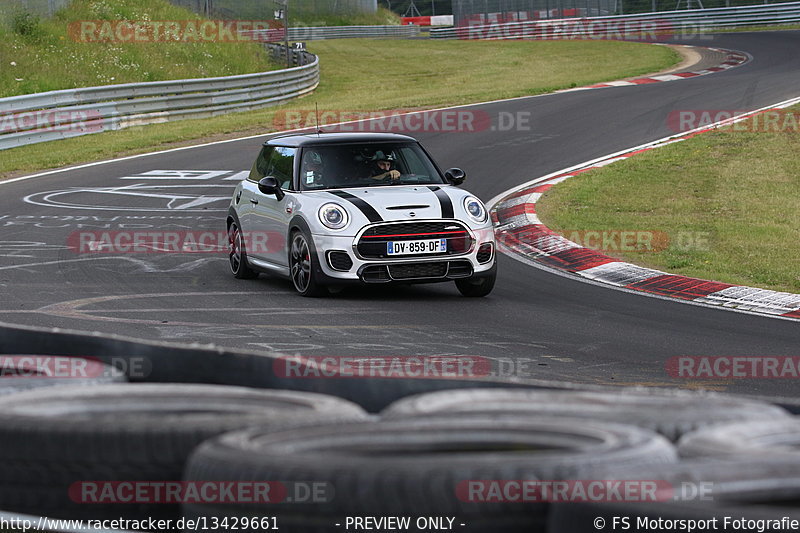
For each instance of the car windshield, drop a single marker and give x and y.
(339, 166)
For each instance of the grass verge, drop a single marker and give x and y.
(381, 17)
(38, 55)
(372, 75)
(727, 200)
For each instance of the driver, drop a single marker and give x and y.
(382, 167)
(313, 168)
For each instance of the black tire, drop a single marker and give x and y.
(771, 438)
(303, 267)
(22, 373)
(418, 467)
(671, 413)
(237, 253)
(478, 285)
(53, 438)
(700, 490)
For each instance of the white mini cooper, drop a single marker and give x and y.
(330, 209)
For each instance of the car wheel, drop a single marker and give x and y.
(237, 255)
(302, 266)
(478, 285)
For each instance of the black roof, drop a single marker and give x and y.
(309, 139)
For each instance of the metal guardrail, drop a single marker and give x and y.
(683, 22)
(40, 117)
(315, 33)
(318, 33)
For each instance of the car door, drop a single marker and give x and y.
(267, 218)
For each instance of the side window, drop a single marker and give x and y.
(259, 169)
(277, 161)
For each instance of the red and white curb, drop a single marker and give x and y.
(733, 59)
(522, 235)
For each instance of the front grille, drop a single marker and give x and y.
(431, 270)
(372, 243)
(409, 227)
(418, 270)
(339, 260)
(485, 253)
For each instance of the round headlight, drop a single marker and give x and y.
(333, 216)
(475, 209)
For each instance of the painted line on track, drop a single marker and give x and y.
(523, 236)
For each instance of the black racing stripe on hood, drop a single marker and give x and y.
(361, 204)
(444, 201)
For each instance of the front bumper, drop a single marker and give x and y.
(409, 269)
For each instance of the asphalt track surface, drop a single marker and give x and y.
(535, 324)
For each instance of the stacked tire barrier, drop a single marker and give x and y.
(65, 447)
(472, 455)
(41, 117)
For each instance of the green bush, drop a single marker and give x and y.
(26, 24)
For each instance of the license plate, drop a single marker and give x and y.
(427, 246)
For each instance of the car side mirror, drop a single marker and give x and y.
(270, 185)
(455, 176)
